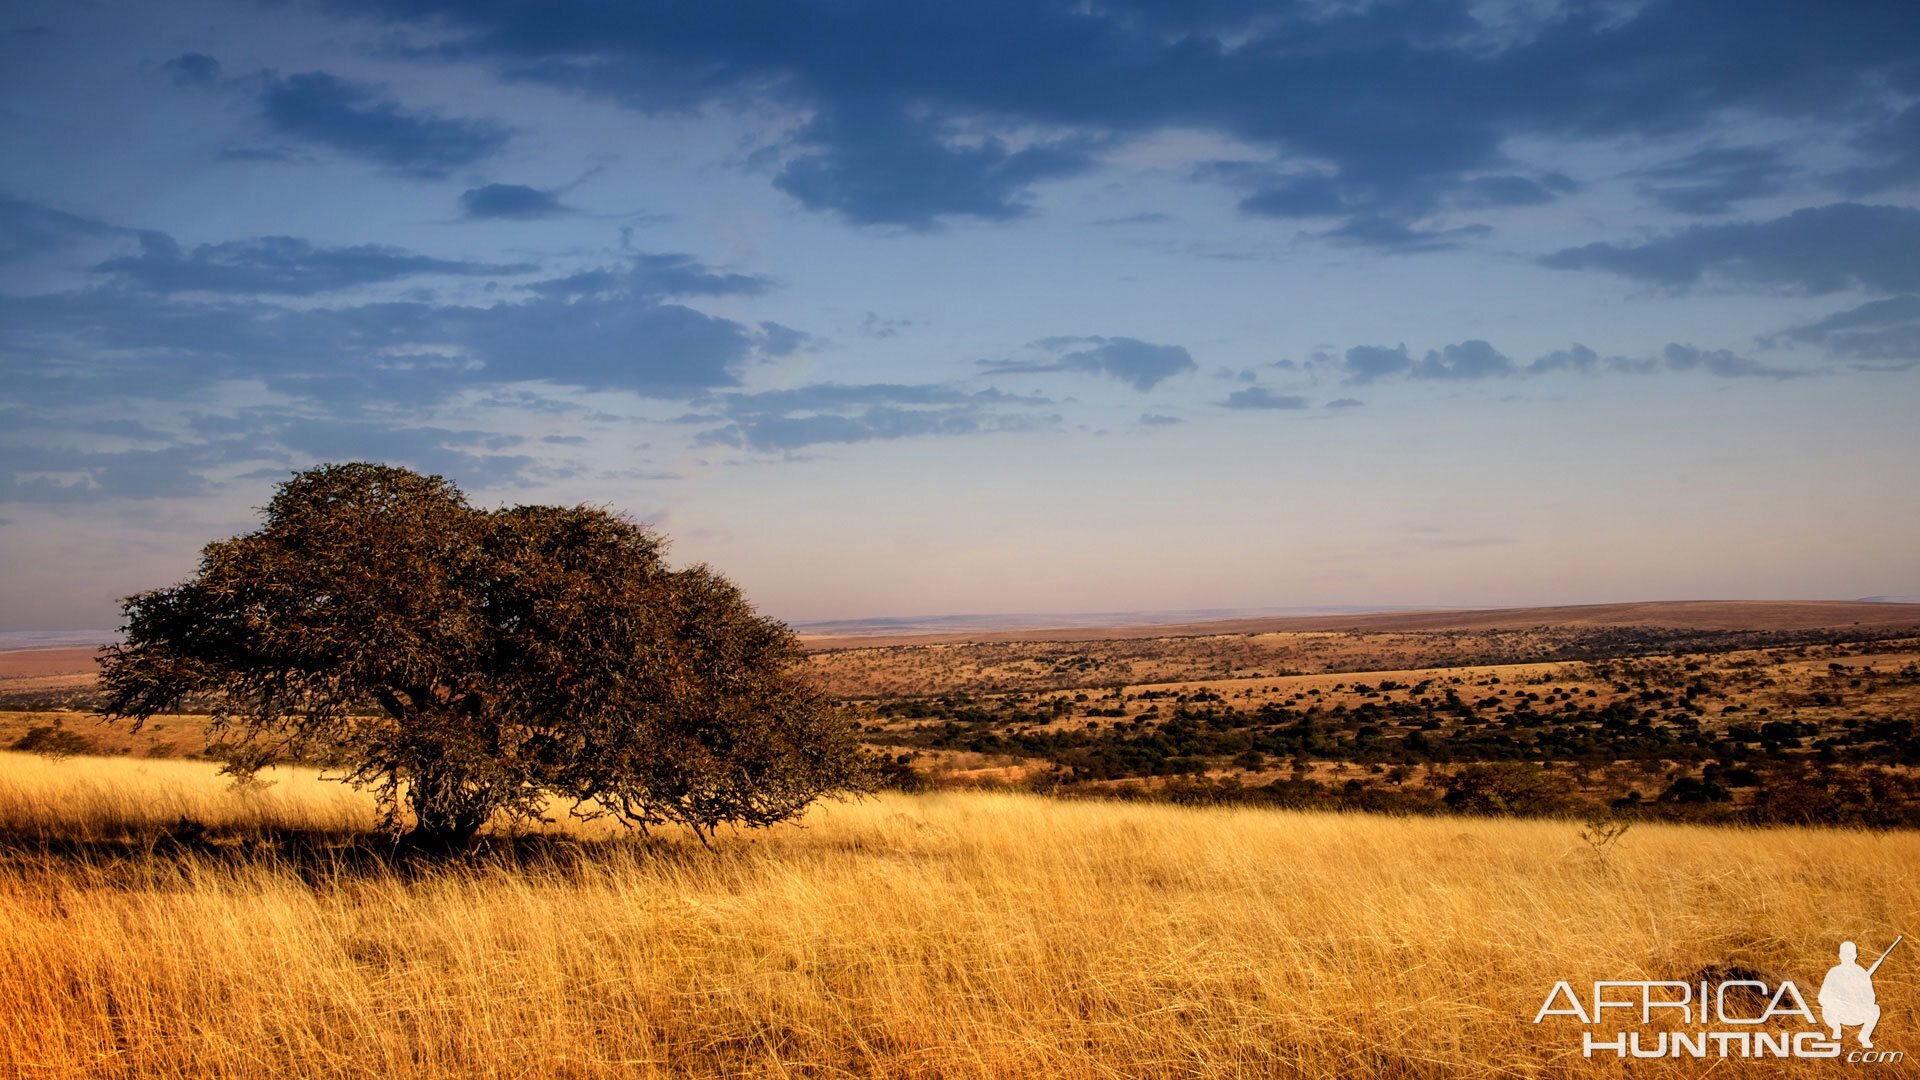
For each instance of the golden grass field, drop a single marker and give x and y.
(954, 934)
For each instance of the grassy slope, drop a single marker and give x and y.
(950, 935)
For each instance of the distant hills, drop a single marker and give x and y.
(1084, 620)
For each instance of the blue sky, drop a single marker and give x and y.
(892, 309)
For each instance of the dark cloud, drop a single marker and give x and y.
(1365, 363)
(1404, 215)
(1816, 250)
(29, 230)
(1345, 403)
(1395, 103)
(874, 165)
(823, 413)
(512, 201)
(607, 329)
(1144, 218)
(271, 441)
(652, 275)
(1159, 420)
(356, 120)
(280, 265)
(1468, 360)
(1140, 364)
(1582, 360)
(1513, 190)
(1711, 181)
(1280, 196)
(1720, 362)
(196, 463)
(1886, 329)
(1893, 147)
(1476, 360)
(38, 474)
(1259, 397)
(777, 340)
(192, 69)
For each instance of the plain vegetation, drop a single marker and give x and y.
(950, 934)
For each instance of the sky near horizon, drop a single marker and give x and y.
(897, 309)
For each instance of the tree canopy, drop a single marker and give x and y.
(463, 663)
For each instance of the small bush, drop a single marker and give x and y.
(53, 741)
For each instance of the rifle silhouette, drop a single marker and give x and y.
(1883, 956)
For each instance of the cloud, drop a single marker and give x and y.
(1159, 420)
(1259, 397)
(1476, 360)
(64, 474)
(1813, 251)
(1467, 360)
(1140, 364)
(1366, 363)
(272, 441)
(1345, 403)
(1711, 181)
(29, 230)
(1893, 148)
(1580, 359)
(356, 120)
(281, 265)
(777, 340)
(450, 452)
(605, 329)
(653, 275)
(826, 413)
(1886, 329)
(1511, 190)
(511, 201)
(1280, 196)
(1395, 215)
(913, 116)
(192, 69)
(1389, 235)
(873, 326)
(874, 165)
(1720, 362)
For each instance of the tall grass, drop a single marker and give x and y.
(941, 935)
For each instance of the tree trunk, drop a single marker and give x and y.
(447, 812)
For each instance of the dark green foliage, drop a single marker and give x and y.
(464, 663)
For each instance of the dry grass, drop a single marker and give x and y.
(96, 799)
(946, 935)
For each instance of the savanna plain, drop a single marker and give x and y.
(1211, 852)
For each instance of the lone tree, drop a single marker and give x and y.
(464, 663)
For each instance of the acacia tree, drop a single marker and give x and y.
(463, 663)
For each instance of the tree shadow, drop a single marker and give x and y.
(187, 849)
